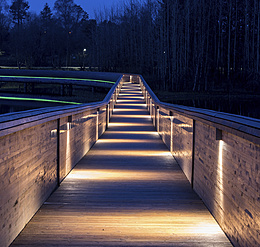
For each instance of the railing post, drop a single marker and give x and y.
(97, 124)
(150, 107)
(113, 102)
(157, 118)
(153, 114)
(107, 115)
(171, 133)
(58, 152)
(146, 100)
(193, 152)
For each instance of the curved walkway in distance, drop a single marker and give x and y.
(127, 191)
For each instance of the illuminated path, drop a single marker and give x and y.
(127, 191)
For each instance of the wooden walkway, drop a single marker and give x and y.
(127, 191)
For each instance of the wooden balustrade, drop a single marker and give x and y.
(218, 152)
(38, 150)
(220, 155)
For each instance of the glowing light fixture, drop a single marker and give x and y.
(97, 121)
(220, 173)
(171, 137)
(184, 125)
(218, 134)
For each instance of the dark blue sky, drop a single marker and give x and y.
(88, 5)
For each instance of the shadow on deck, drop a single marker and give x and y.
(127, 191)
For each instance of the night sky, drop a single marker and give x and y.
(90, 6)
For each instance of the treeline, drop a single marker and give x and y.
(180, 45)
(52, 38)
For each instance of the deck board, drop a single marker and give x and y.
(127, 191)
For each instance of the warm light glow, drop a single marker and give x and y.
(88, 116)
(158, 120)
(127, 100)
(97, 115)
(132, 116)
(53, 133)
(136, 215)
(118, 175)
(150, 107)
(129, 124)
(127, 89)
(171, 134)
(128, 152)
(131, 95)
(128, 141)
(181, 154)
(220, 173)
(184, 125)
(205, 228)
(133, 132)
(123, 110)
(67, 168)
(131, 104)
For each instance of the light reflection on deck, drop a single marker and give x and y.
(127, 191)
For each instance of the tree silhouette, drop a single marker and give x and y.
(19, 11)
(70, 15)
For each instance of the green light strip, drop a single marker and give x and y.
(53, 78)
(40, 100)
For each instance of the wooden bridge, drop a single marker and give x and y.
(128, 189)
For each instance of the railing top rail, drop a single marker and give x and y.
(12, 122)
(247, 125)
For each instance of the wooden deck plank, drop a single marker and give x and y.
(127, 191)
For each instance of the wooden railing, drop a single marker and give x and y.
(38, 150)
(220, 155)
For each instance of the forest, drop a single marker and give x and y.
(180, 45)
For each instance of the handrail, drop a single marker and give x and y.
(219, 154)
(12, 122)
(245, 127)
(44, 146)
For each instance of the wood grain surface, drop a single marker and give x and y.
(127, 191)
